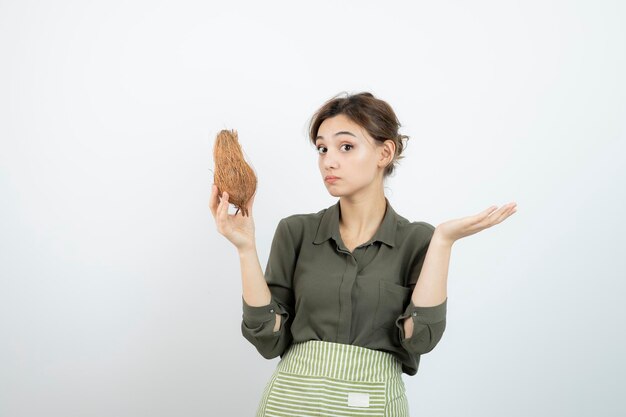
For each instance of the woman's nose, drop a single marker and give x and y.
(329, 160)
(329, 163)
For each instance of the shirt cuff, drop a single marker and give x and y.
(425, 315)
(257, 315)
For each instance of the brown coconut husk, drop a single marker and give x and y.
(232, 173)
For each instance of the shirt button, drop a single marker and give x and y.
(271, 310)
(414, 313)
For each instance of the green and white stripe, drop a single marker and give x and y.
(318, 378)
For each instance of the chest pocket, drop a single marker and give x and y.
(392, 301)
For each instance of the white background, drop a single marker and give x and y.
(118, 297)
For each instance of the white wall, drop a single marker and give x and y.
(119, 298)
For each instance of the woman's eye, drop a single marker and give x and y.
(345, 144)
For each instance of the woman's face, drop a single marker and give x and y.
(348, 152)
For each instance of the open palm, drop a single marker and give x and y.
(456, 229)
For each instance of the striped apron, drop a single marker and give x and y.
(318, 378)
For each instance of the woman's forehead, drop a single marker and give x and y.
(340, 125)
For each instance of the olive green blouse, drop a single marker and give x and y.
(325, 292)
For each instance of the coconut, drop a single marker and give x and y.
(232, 173)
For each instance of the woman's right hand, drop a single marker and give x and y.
(239, 230)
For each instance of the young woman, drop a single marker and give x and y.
(351, 295)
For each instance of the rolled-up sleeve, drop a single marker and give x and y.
(258, 322)
(429, 324)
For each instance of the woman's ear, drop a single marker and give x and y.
(388, 150)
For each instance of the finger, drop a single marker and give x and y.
(250, 204)
(491, 216)
(225, 206)
(512, 209)
(213, 201)
(502, 214)
(489, 210)
(483, 215)
(220, 211)
(486, 218)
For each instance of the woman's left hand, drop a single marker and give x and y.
(455, 229)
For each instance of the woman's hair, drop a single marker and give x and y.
(372, 114)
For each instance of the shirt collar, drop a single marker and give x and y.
(329, 225)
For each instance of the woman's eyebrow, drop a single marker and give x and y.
(337, 134)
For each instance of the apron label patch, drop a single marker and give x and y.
(358, 399)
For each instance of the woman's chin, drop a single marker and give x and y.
(335, 193)
(332, 191)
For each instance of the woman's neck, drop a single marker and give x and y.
(361, 217)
